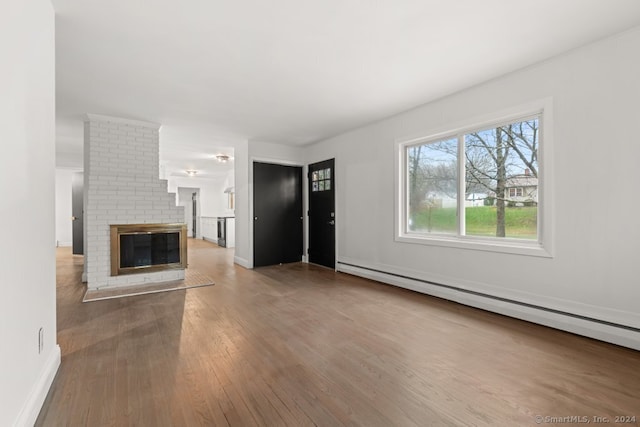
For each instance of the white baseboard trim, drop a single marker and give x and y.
(32, 406)
(618, 334)
(242, 262)
(210, 239)
(64, 244)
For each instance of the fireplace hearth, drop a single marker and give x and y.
(142, 248)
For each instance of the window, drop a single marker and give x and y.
(477, 186)
(515, 192)
(321, 180)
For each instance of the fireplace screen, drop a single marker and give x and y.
(138, 248)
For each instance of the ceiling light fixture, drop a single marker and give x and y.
(192, 172)
(222, 158)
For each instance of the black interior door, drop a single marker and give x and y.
(322, 218)
(77, 212)
(194, 213)
(277, 214)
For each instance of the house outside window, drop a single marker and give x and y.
(478, 186)
(523, 189)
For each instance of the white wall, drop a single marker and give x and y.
(64, 232)
(212, 197)
(243, 255)
(275, 153)
(595, 92)
(27, 176)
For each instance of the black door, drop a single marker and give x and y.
(322, 218)
(277, 214)
(194, 213)
(77, 212)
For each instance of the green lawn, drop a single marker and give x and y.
(520, 222)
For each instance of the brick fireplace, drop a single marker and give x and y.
(122, 187)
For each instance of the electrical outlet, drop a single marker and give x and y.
(40, 340)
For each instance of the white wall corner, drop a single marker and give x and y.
(32, 406)
(242, 262)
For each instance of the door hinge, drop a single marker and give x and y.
(307, 213)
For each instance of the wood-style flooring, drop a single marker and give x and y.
(300, 345)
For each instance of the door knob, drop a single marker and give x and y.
(332, 222)
(73, 218)
(255, 218)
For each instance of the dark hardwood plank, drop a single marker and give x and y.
(299, 345)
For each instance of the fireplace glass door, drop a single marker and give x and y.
(141, 250)
(138, 248)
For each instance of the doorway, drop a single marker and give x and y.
(77, 213)
(322, 218)
(277, 214)
(189, 198)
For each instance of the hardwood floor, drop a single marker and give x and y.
(299, 345)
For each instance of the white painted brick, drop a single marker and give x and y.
(122, 188)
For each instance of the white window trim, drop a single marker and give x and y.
(515, 191)
(543, 247)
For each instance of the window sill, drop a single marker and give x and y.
(507, 246)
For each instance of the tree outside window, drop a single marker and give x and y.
(486, 202)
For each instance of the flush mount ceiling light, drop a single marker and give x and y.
(222, 158)
(191, 172)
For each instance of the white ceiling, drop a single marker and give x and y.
(215, 72)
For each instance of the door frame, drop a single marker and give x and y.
(336, 187)
(258, 159)
(189, 201)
